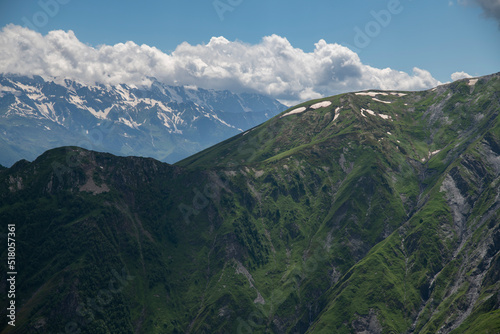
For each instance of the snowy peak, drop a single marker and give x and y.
(176, 120)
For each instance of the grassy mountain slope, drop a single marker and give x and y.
(374, 212)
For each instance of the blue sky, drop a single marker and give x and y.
(441, 37)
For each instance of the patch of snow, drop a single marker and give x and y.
(99, 113)
(125, 94)
(399, 94)
(46, 127)
(26, 88)
(36, 97)
(371, 112)
(164, 118)
(384, 116)
(434, 153)
(75, 99)
(177, 131)
(82, 104)
(377, 100)
(168, 122)
(372, 94)
(106, 112)
(129, 123)
(223, 122)
(390, 134)
(337, 113)
(47, 109)
(245, 109)
(134, 103)
(164, 107)
(294, 111)
(21, 108)
(323, 104)
(472, 82)
(7, 89)
(152, 140)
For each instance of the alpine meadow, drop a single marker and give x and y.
(365, 212)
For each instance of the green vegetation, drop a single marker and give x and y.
(326, 221)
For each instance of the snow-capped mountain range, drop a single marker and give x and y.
(160, 121)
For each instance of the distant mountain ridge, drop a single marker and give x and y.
(161, 121)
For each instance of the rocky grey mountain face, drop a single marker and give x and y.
(164, 122)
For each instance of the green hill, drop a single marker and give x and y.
(368, 212)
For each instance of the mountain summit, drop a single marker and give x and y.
(366, 212)
(165, 122)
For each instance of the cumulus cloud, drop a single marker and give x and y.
(491, 8)
(460, 75)
(273, 67)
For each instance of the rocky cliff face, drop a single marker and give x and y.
(368, 212)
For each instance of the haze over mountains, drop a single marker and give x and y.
(367, 212)
(165, 122)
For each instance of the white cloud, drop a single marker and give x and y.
(460, 75)
(272, 67)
